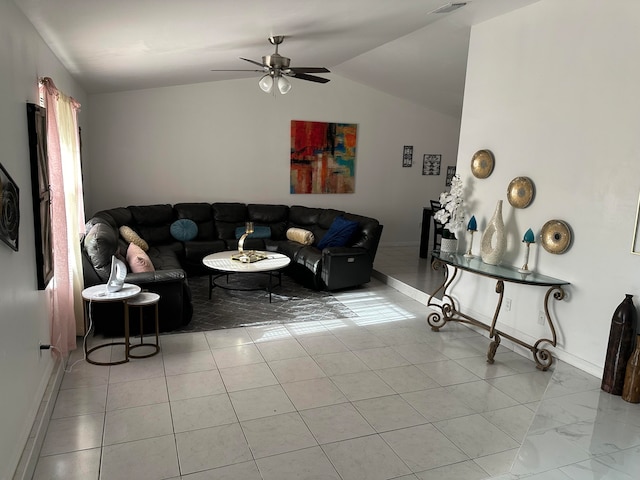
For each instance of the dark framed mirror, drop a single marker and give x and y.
(40, 191)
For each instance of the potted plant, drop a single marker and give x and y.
(451, 215)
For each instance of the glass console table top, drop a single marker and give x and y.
(501, 272)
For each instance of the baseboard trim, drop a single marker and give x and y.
(29, 458)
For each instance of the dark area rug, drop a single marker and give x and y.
(290, 302)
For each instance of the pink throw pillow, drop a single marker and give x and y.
(138, 260)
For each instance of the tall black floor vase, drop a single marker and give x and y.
(621, 336)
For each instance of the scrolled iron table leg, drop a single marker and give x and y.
(493, 348)
(543, 356)
(447, 307)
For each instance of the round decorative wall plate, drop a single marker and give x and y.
(520, 192)
(482, 163)
(555, 236)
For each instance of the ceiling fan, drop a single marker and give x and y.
(276, 69)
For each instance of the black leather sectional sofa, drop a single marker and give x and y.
(332, 268)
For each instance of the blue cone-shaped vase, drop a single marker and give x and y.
(473, 225)
(528, 237)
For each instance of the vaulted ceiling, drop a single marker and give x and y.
(401, 47)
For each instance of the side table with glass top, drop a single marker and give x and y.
(99, 294)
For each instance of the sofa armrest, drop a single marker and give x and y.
(158, 276)
(344, 267)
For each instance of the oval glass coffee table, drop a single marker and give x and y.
(224, 264)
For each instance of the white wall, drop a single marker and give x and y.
(552, 90)
(24, 373)
(229, 141)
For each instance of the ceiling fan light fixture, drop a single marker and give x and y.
(284, 85)
(266, 83)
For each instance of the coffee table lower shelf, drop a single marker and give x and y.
(213, 283)
(222, 265)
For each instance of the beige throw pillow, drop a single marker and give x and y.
(131, 236)
(300, 235)
(138, 260)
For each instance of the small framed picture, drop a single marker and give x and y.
(431, 164)
(451, 171)
(407, 156)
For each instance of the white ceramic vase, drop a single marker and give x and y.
(494, 240)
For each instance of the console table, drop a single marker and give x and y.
(450, 310)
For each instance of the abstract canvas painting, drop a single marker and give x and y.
(323, 157)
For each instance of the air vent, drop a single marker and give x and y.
(449, 7)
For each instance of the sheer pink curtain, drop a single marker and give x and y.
(67, 214)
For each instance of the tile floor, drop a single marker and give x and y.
(378, 396)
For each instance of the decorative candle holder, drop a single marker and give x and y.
(527, 240)
(472, 227)
(248, 231)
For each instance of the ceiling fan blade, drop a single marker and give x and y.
(254, 62)
(261, 71)
(311, 78)
(309, 70)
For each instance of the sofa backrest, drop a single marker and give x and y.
(117, 216)
(221, 219)
(319, 220)
(202, 214)
(227, 217)
(153, 222)
(368, 236)
(307, 218)
(273, 216)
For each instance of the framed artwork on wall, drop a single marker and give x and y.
(323, 157)
(40, 192)
(407, 156)
(451, 171)
(9, 209)
(431, 164)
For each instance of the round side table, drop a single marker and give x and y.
(98, 293)
(145, 299)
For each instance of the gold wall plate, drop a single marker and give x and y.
(482, 163)
(555, 236)
(520, 192)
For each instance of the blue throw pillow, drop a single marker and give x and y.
(184, 230)
(259, 231)
(339, 233)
